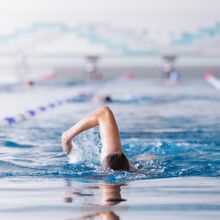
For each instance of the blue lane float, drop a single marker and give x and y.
(10, 120)
(31, 112)
(42, 108)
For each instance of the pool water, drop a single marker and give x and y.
(166, 131)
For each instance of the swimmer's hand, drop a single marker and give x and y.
(66, 143)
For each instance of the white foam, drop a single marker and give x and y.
(86, 147)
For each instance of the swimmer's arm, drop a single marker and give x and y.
(131, 167)
(90, 121)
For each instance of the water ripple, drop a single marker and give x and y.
(12, 144)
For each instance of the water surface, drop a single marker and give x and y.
(177, 127)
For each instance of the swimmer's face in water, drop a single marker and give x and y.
(115, 161)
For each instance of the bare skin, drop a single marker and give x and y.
(110, 137)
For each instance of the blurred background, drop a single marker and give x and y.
(83, 40)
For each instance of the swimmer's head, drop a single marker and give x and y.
(115, 161)
(107, 99)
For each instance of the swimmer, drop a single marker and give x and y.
(112, 156)
(104, 99)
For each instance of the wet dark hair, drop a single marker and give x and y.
(115, 161)
(107, 99)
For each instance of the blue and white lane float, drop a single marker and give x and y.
(212, 80)
(10, 120)
(90, 92)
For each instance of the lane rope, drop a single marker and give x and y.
(92, 89)
(33, 112)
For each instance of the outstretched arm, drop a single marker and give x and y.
(108, 130)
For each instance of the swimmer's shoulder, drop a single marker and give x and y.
(131, 167)
(139, 159)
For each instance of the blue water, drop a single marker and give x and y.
(178, 126)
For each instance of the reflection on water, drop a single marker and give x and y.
(105, 215)
(111, 194)
(107, 195)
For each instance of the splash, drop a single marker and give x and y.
(86, 148)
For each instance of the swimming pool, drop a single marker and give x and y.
(176, 126)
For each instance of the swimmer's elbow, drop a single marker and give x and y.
(106, 112)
